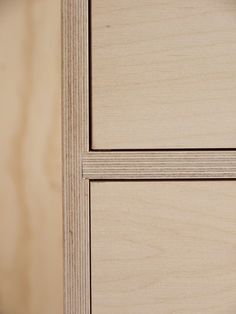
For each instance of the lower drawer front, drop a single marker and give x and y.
(163, 247)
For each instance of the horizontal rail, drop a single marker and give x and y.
(154, 165)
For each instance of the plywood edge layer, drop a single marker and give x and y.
(159, 165)
(75, 143)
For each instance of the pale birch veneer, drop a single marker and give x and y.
(163, 74)
(163, 247)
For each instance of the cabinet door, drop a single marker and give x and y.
(163, 247)
(163, 74)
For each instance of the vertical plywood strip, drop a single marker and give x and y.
(75, 143)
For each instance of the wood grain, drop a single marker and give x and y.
(163, 247)
(163, 74)
(81, 165)
(30, 162)
(138, 165)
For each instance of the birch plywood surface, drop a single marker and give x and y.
(164, 74)
(30, 192)
(163, 247)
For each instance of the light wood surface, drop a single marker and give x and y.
(30, 161)
(163, 74)
(151, 165)
(75, 125)
(163, 247)
(207, 256)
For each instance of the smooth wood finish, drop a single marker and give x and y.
(75, 118)
(163, 74)
(163, 247)
(31, 275)
(81, 164)
(159, 165)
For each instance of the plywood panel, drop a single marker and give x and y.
(163, 247)
(163, 74)
(30, 162)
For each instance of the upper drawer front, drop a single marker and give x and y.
(163, 74)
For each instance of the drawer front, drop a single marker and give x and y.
(163, 74)
(163, 247)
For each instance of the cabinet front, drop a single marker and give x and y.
(150, 156)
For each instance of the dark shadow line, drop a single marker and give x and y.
(163, 180)
(90, 247)
(163, 149)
